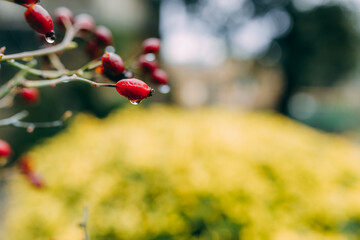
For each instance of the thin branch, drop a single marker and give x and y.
(13, 119)
(15, 81)
(37, 72)
(56, 62)
(84, 223)
(64, 45)
(63, 79)
(8, 100)
(55, 73)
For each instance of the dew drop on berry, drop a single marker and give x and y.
(49, 40)
(164, 89)
(50, 37)
(135, 102)
(110, 49)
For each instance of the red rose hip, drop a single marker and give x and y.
(84, 22)
(113, 65)
(30, 95)
(103, 36)
(151, 45)
(93, 49)
(5, 149)
(159, 76)
(146, 64)
(63, 15)
(133, 89)
(39, 19)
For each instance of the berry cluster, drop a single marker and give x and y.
(99, 37)
(115, 72)
(148, 63)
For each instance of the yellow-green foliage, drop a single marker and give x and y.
(165, 173)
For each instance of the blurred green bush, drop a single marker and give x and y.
(166, 173)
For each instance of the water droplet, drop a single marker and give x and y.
(150, 57)
(110, 49)
(30, 128)
(135, 102)
(49, 40)
(164, 89)
(50, 37)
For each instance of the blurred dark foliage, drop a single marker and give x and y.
(320, 50)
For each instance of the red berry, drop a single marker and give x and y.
(63, 15)
(159, 76)
(103, 36)
(151, 45)
(84, 22)
(146, 64)
(133, 89)
(113, 65)
(25, 165)
(30, 95)
(93, 50)
(5, 149)
(39, 19)
(26, 1)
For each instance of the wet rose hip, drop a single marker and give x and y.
(39, 19)
(84, 22)
(5, 149)
(147, 64)
(133, 89)
(103, 36)
(63, 15)
(151, 45)
(159, 76)
(113, 65)
(30, 95)
(93, 50)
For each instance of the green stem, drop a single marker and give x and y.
(17, 80)
(13, 119)
(37, 72)
(53, 73)
(64, 45)
(64, 79)
(56, 62)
